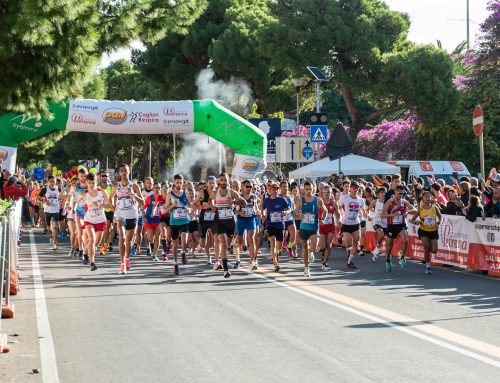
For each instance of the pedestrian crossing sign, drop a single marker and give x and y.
(319, 133)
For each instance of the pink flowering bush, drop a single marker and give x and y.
(398, 137)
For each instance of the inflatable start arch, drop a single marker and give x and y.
(141, 117)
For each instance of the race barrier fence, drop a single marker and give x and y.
(465, 244)
(10, 225)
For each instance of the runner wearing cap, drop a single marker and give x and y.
(276, 208)
(288, 220)
(379, 222)
(396, 209)
(309, 205)
(246, 221)
(352, 208)
(152, 210)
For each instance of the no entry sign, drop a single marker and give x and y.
(477, 120)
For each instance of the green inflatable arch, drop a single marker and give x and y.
(141, 117)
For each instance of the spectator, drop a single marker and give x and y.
(492, 208)
(474, 182)
(438, 196)
(474, 210)
(14, 189)
(454, 205)
(464, 191)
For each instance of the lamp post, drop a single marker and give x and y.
(468, 31)
(297, 82)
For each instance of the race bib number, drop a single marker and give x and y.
(353, 214)
(226, 213)
(247, 211)
(430, 221)
(276, 217)
(288, 217)
(162, 209)
(94, 212)
(180, 213)
(398, 219)
(125, 203)
(328, 219)
(53, 202)
(209, 215)
(309, 219)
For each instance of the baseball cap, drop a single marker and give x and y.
(496, 177)
(322, 185)
(211, 178)
(273, 186)
(354, 185)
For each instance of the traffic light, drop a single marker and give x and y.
(318, 119)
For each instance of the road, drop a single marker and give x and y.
(364, 325)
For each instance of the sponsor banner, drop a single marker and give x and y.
(246, 167)
(8, 158)
(272, 129)
(142, 117)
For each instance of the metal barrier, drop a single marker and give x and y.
(10, 225)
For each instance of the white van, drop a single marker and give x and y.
(439, 169)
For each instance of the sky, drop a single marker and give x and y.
(431, 20)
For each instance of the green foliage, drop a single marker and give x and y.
(4, 206)
(48, 48)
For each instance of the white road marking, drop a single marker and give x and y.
(396, 326)
(47, 352)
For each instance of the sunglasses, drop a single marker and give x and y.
(247, 186)
(104, 176)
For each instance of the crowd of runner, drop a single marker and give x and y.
(179, 220)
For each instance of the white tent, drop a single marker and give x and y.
(350, 165)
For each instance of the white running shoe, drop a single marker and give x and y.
(307, 272)
(325, 267)
(311, 257)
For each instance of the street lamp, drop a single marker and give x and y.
(297, 82)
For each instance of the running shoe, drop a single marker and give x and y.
(103, 250)
(245, 248)
(184, 259)
(209, 261)
(93, 267)
(217, 265)
(110, 247)
(133, 250)
(71, 253)
(56, 246)
(388, 267)
(85, 259)
(127, 263)
(402, 262)
(311, 257)
(165, 258)
(148, 252)
(138, 250)
(276, 267)
(155, 258)
(176, 269)
(351, 265)
(325, 267)
(80, 254)
(227, 274)
(428, 270)
(253, 266)
(307, 272)
(167, 252)
(123, 269)
(376, 251)
(290, 253)
(361, 252)
(236, 266)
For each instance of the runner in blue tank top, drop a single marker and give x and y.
(309, 225)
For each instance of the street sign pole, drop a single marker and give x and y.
(478, 128)
(481, 155)
(318, 110)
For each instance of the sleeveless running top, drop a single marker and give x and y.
(400, 218)
(428, 218)
(377, 219)
(309, 219)
(94, 212)
(249, 210)
(52, 196)
(206, 213)
(224, 205)
(80, 207)
(329, 219)
(352, 207)
(125, 202)
(179, 215)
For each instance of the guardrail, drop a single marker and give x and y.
(10, 224)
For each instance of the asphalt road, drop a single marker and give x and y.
(364, 325)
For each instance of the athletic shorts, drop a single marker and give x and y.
(306, 234)
(178, 229)
(205, 226)
(225, 226)
(288, 223)
(51, 216)
(140, 222)
(394, 230)
(165, 220)
(129, 223)
(151, 226)
(97, 226)
(349, 228)
(61, 216)
(326, 229)
(429, 234)
(30, 204)
(245, 224)
(297, 223)
(192, 226)
(376, 227)
(362, 225)
(109, 215)
(275, 232)
(258, 223)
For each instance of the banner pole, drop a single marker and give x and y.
(481, 154)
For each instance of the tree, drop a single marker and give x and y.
(362, 45)
(48, 49)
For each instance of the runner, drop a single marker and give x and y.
(396, 209)
(207, 219)
(246, 222)
(177, 204)
(327, 229)
(379, 222)
(430, 218)
(31, 207)
(70, 222)
(146, 191)
(50, 197)
(95, 199)
(108, 235)
(193, 220)
(352, 208)
(128, 196)
(34, 201)
(152, 210)
(222, 203)
(309, 205)
(79, 211)
(166, 235)
(288, 220)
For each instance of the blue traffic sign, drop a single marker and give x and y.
(319, 133)
(307, 152)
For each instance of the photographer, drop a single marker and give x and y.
(492, 208)
(454, 205)
(14, 189)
